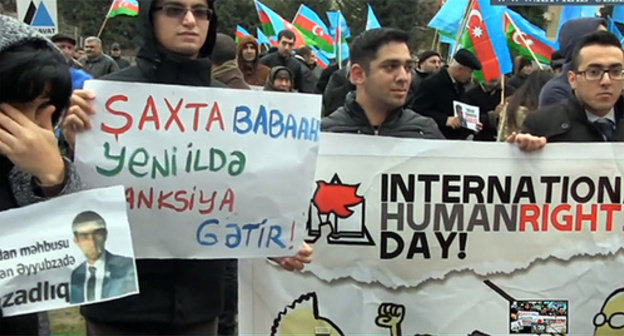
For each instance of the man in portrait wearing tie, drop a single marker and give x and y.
(103, 275)
(594, 113)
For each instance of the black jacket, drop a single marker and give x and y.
(434, 98)
(568, 123)
(336, 91)
(487, 102)
(171, 291)
(274, 59)
(402, 123)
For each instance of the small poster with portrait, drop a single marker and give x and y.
(468, 115)
(70, 250)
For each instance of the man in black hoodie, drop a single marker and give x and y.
(177, 296)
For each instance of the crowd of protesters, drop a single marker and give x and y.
(382, 90)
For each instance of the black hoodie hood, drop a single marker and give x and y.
(152, 60)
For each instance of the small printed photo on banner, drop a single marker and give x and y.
(71, 250)
(102, 275)
(468, 115)
(538, 316)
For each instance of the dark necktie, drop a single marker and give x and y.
(91, 284)
(606, 127)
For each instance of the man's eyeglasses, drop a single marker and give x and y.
(596, 74)
(179, 12)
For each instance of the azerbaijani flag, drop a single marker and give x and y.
(272, 23)
(340, 32)
(484, 37)
(614, 28)
(371, 21)
(313, 29)
(263, 39)
(124, 7)
(240, 32)
(321, 60)
(534, 37)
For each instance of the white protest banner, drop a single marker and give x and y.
(445, 237)
(48, 251)
(468, 115)
(209, 173)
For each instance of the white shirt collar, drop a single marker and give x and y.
(610, 116)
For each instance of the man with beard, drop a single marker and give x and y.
(429, 63)
(249, 61)
(381, 70)
(283, 56)
(95, 61)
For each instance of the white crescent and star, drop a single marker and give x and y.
(476, 31)
(516, 38)
(475, 12)
(316, 30)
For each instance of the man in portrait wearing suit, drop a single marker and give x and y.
(103, 275)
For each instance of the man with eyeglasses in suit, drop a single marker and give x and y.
(594, 113)
(177, 296)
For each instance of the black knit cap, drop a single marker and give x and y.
(425, 55)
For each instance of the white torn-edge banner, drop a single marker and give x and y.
(70, 250)
(448, 206)
(209, 173)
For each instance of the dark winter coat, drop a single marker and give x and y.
(434, 98)
(568, 123)
(274, 59)
(402, 123)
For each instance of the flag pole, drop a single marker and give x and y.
(106, 18)
(435, 44)
(434, 40)
(502, 101)
(539, 65)
(462, 26)
(298, 12)
(503, 117)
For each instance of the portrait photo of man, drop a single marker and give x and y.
(103, 274)
(459, 114)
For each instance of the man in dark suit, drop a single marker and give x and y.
(434, 96)
(594, 113)
(103, 275)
